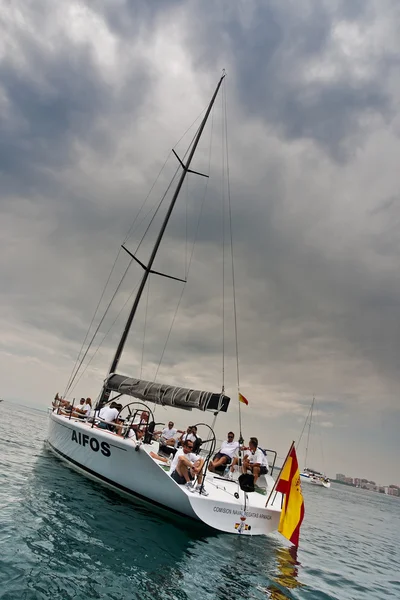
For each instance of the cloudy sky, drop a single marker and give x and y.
(92, 99)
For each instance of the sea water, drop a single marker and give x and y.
(63, 536)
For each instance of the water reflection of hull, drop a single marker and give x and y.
(114, 462)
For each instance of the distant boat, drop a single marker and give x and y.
(309, 475)
(1, 400)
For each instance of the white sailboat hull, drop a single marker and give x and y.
(316, 482)
(115, 462)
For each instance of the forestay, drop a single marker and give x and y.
(164, 394)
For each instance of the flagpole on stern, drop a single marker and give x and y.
(280, 473)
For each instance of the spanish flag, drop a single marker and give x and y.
(243, 399)
(288, 484)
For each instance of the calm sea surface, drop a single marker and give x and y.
(62, 536)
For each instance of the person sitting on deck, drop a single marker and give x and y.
(62, 404)
(197, 442)
(167, 435)
(225, 454)
(186, 467)
(67, 408)
(108, 416)
(255, 460)
(83, 411)
(140, 422)
(188, 435)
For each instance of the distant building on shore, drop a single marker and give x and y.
(343, 479)
(390, 490)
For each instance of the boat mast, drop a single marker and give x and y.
(186, 168)
(309, 429)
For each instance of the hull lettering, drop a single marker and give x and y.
(92, 442)
(105, 449)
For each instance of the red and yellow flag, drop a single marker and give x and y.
(292, 513)
(243, 399)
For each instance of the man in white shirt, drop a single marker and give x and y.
(67, 407)
(83, 411)
(186, 466)
(255, 460)
(188, 436)
(225, 454)
(108, 416)
(167, 436)
(140, 424)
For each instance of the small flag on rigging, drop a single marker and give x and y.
(243, 399)
(288, 484)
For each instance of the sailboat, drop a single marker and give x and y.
(133, 467)
(308, 475)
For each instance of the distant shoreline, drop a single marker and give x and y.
(378, 489)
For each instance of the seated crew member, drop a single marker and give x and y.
(188, 435)
(67, 407)
(187, 466)
(132, 434)
(83, 411)
(167, 435)
(235, 461)
(255, 460)
(108, 416)
(140, 423)
(198, 441)
(225, 454)
(136, 429)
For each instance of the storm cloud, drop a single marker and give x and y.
(93, 98)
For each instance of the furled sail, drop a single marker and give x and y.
(161, 393)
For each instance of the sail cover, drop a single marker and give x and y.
(161, 393)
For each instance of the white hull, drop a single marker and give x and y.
(315, 481)
(114, 462)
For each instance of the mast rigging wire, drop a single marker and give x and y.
(76, 368)
(144, 328)
(73, 373)
(232, 256)
(192, 250)
(302, 432)
(223, 244)
(105, 336)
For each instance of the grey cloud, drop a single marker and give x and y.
(385, 205)
(267, 50)
(133, 16)
(317, 291)
(55, 103)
